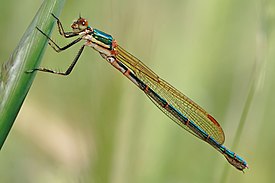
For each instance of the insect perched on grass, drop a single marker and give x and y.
(168, 99)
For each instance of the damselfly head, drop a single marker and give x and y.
(80, 25)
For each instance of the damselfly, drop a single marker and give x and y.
(168, 99)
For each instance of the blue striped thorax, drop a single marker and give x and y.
(103, 39)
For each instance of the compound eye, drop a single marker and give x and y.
(83, 23)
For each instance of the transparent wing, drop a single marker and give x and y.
(182, 103)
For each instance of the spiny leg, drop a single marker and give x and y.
(67, 72)
(61, 30)
(55, 46)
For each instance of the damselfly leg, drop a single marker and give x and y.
(68, 71)
(55, 46)
(61, 30)
(58, 49)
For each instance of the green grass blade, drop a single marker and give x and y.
(14, 81)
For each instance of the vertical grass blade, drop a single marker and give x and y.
(14, 81)
(255, 81)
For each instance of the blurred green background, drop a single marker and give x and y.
(96, 126)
